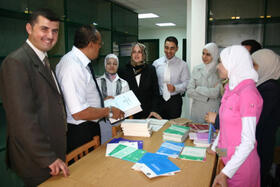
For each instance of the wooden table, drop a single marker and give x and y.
(97, 170)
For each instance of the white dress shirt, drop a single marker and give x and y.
(77, 84)
(179, 74)
(243, 150)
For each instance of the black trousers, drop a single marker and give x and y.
(78, 135)
(172, 108)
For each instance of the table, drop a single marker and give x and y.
(97, 170)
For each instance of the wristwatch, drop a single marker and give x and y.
(110, 112)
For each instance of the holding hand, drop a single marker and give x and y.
(210, 117)
(220, 179)
(117, 113)
(58, 165)
(109, 97)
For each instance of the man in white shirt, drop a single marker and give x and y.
(84, 103)
(173, 77)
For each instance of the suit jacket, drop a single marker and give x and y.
(36, 122)
(148, 90)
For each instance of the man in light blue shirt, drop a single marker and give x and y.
(173, 77)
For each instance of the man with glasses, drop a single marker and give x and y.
(83, 99)
(173, 77)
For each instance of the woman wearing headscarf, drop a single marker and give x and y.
(205, 85)
(240, 110)
(142, 80)
(267, 64)
(110, 83)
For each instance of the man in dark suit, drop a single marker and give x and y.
(36, 131)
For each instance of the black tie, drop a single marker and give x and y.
(98, 89)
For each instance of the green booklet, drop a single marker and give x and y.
(193, 153)
(127, 153)
(176, 130)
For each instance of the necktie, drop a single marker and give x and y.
(97, 87)
(165, 93)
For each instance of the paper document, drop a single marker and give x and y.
(127, 102)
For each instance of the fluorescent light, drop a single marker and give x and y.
(147, 15)
(94, 23)
(237, 17)
(165, 24)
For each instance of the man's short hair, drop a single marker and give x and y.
(84, 35)
(47, 13)
(172, 39)
(254, 45)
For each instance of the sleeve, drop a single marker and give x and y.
(73, 82)
(215, 143)
(184, 79)
(18, 100)
(191, 91)
(156, 94)
(213, 93)
(243, 150)
(250, 104)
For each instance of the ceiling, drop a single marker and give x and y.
(168, 11)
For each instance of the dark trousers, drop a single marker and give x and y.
(78, 135)
(34, 181)
(172, 108)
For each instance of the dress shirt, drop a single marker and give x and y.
(112, 86)
(77, 84)
(243, 150)
(179, 73)
(41, 56)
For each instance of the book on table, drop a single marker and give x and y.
(196, 127)
(136, 127)
(193, 153)
(127, 102)
(154, 165)
(128, 153)
(170, 149)
(176, 133)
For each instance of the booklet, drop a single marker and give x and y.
(170, 149)
(111, 146)
(127, 102)
(193, 153)
(127, 153)
(153, 165)
(121, 140)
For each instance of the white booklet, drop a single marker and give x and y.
(127, 102)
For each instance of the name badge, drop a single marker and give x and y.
(221, 152)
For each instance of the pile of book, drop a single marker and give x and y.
(176, 133)
(136, 127)
(193, 153)
(170, 149)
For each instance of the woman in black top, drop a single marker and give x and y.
(142, 80)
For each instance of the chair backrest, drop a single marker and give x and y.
(79, 152)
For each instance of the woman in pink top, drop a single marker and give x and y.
(240, 110)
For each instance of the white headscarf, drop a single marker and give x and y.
(269, 65)
(111, 56)
(238, 62)
(212, 48)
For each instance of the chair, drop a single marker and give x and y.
(79, 152)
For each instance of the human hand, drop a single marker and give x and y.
(220, 179)
(170, 88)
(154, 114)
(58, 165)
(210, 151)
(210, 117)
(117, 113)
(109, 97)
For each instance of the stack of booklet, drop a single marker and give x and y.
(193, 153)
(154, 165)
(176, 133)
(136, 127)
(196, 127)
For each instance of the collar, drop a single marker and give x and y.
(169, 60)
(38, 52)
(241, 85)
(82, 57)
